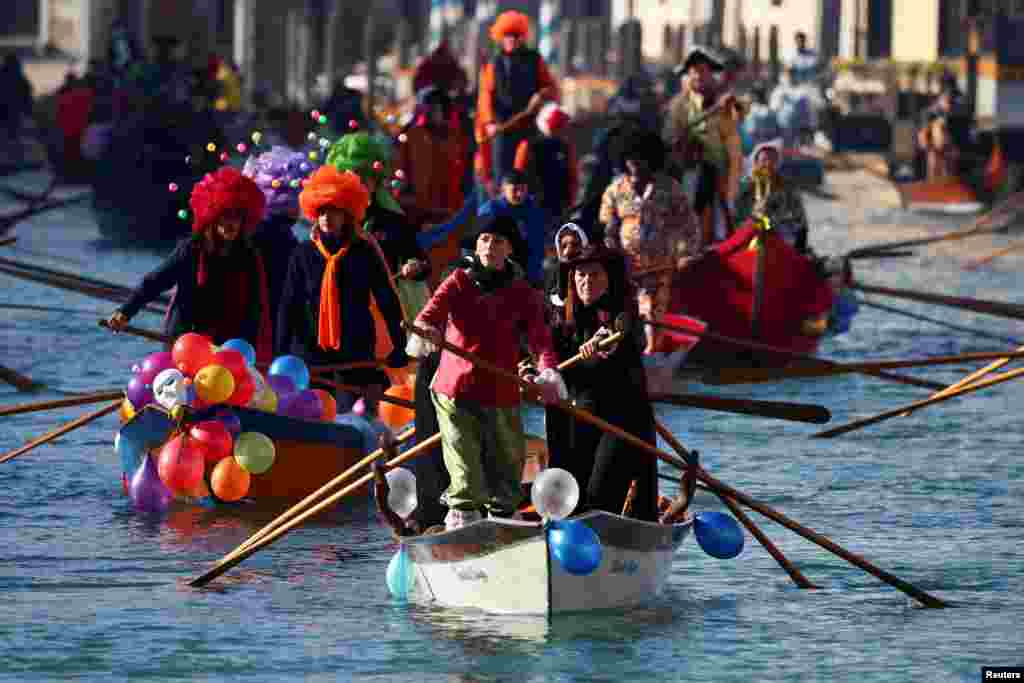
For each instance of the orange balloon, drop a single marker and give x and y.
(330, 406)
(228, 481)
(396, 416)
(191, 352)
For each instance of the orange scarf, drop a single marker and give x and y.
(329, 320)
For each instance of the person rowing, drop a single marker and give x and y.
(765, 193)
(325, 315)
(220, 278)
(484, 308)
(610, 383)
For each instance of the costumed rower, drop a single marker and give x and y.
(484, 308)
(609, 383)
(325, 315)
(645, 213)
(516, 203)
(220, 278)
(766, 193)
(278, 173)
(516, 80)
(550, 160)
(710, 153)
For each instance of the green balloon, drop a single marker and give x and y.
(254, 452)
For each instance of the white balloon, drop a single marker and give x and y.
(169, 389)
(402, 491)
(555, 493)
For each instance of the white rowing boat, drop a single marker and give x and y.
(508, 567)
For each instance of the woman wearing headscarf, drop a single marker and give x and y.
(220, 277)
(609, 383)
(766, 193)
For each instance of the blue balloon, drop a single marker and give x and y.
(401, 575)
(718, 534)
(575, 545)
(292, 367)
(243, 347)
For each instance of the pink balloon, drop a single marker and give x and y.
(154, 364)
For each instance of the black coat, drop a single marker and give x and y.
(614, 389)
(397, 238)
(360, 275)
(192, 304)
(275, 240)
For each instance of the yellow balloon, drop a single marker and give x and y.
(127, 410)
(214, 384)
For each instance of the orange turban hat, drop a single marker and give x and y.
(330, 187)
(510, 22)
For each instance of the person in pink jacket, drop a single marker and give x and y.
(484, 308)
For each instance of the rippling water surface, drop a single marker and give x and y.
(91, 591)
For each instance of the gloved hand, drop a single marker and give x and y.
(551, 386)
(397, 358)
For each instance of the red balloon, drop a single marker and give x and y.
(245, 389)
(234, 362)
(180, 465)
(214, 439)
(192, 352)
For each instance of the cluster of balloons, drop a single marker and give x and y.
(211, 459)
(198, 374)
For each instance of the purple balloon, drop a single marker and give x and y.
(282, 385)
(139, 392)
(149, 494)
(304, 405)
(153, 364)
(229, 420)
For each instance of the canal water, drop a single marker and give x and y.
(90, 590)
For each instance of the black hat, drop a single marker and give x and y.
(496, 224)
(639, 144)
(614, 262)
(699, 54)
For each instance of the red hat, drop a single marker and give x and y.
(225, 189)
(510, 22)
(330, 187)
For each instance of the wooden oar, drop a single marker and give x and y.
(238, 556)
(858, 424)
(312, 498)
(38, 406)
(757, 346)
(975, 376)
(996, 220)
(996, 308)
(46, 438)
(754, 375)
(713, 483)
(10, 220)
(96, 292)
(73, 277)
(935, 321)
(977, 263)
(7, 241)
(798, 578)
(138, 332)
(356, 389)
(343, 367)
(48, 309)
(776, 410)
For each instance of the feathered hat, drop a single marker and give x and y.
(510, 22)
(330, 187)
(278, 173)
(225, 189)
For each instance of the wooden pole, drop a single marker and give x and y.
(17, 380)
(50, 436)
(995, 308)
(62, 403)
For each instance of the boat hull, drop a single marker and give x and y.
(950, 197)
(507, 567)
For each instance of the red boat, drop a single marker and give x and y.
(756, 287)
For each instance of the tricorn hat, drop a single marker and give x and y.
(699, 54)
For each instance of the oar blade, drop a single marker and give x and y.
(776, 410)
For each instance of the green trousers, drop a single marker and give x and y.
(484, 449)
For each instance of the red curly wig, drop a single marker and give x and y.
(510, 22)
(224, 189)
(330, 187)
